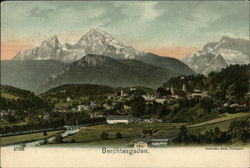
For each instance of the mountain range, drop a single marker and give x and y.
(96, 58)
(99, 58)
(217, 55)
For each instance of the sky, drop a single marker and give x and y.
(167, 28)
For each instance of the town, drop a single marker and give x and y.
(141, 115)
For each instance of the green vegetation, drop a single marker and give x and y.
(129, 132)
(21, 104)
(237, 133)
(26, 137)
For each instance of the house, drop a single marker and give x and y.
(238, 105)
(46, 116)
(68, 99)
(159, 142)
(179, 94)
(198, 94)
(140, 144)
(82, 107)
(106, 106)
(153, 142)
(160, 100)
(148, 120)
(148, 97)
(127, 119)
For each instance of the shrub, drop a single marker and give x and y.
(104, 135)
(118, 135)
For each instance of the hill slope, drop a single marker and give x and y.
(21, 100)
(28, 74)
(97, 69)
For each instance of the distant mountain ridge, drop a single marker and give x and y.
(28, 74)
(98, 69)
(217, 55)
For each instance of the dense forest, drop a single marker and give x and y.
(230, 85)
(21, 104)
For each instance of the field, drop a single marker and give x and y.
(90, 136)
(25, 138)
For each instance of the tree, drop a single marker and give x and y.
(58, 138)
(183, 134)
(239, 131)
(138, 107)
(45, 133)
(104, 135)
(118, 135)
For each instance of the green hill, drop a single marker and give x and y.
(21, 102)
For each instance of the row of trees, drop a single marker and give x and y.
(237, 133)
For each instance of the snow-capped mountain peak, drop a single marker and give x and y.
(229, 50)
(52, 42)
(96, 41)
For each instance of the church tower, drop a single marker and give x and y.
(184, 88)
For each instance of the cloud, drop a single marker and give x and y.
(43, 13)
(149, 11)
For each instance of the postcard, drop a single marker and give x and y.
(125, 84)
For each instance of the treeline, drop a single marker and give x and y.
(192, 82)
(77, 90)
(180, 110)
(57, 120)
(32, 103)
(237, 133)
(18, 104)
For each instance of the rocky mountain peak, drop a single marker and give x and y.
(92, 60)
(226, 51)
(52, 42)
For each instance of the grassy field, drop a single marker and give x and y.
(222, 123)
(90, 136)
(224, 117)
(25, 138)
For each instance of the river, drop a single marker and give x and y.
(49, 140)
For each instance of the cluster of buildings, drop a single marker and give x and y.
(233, 107)
(5, 113)
(151, 142)
(172, 94)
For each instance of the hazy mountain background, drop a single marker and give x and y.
(28, 74)
(217, 55)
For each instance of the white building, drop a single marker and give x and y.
(82, 107)
(122, 119)
(148, 97)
